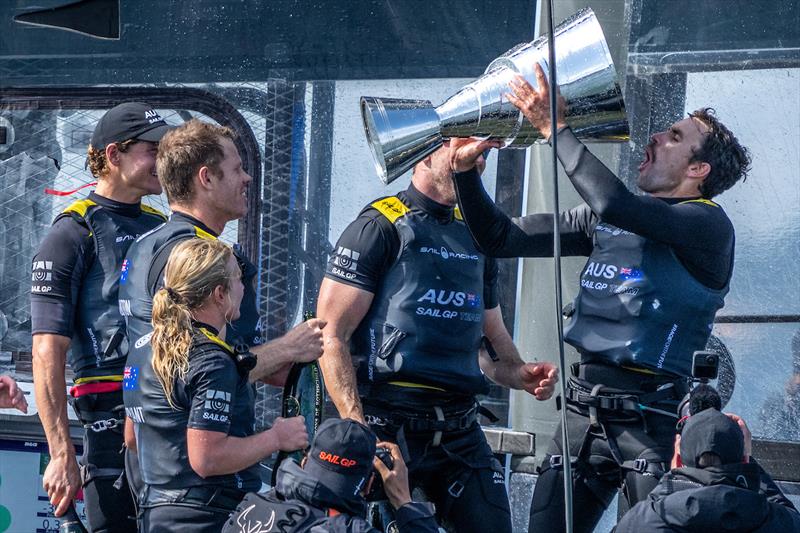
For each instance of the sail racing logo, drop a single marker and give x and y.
(444, 253)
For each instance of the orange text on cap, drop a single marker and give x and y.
(336, 460)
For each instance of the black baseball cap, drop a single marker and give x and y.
(341, 456)
(131, 120)
(710, 431)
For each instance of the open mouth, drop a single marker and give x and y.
(648, 157)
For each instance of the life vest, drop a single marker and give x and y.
(100, 342)
(638, 305)
(426, 320)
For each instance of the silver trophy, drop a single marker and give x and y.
(400, 133)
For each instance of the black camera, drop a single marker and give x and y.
(376, 491)
(705, 365)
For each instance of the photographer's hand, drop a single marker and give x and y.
(748, 437)
(395, 481)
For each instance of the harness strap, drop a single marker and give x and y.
(98, 421)
(593, 420)
(114, 342)
(437, 437)
(488, 414)
(99, 426)
(594, 401)
(90, 473)
(611, 400)
(643, 466)
(455, 490)
(421, 423)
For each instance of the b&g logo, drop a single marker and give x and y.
(346, 259)
(219, 401)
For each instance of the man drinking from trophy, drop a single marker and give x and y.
(413, 330)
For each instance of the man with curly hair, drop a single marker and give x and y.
(74, 283)
(659, 268)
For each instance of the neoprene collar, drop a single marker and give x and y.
(183, 217)
(441, 212)
(121, 208)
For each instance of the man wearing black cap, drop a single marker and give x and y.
(75, 279)
(718, 488)
(328, 491)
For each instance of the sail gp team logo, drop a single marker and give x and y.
(42, 276)
(346, 259)
(42, 271)
(217, 400)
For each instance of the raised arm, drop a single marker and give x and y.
(609, 198)
(682, 224)
(498, 235)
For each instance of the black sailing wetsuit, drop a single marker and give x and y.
(145, 264)
(75, 279)
(692, 238)
(213, 395)
(417, 349)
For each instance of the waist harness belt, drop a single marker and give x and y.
(437, 419)
(605, 404)
(619, 405)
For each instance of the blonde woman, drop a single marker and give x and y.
(197, 449)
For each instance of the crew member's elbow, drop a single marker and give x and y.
(204, 460)
(203, 465)
(613, 208)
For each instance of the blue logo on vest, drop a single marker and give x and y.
(130, 378)
(126, 266)
(630, 274)
(473, 300)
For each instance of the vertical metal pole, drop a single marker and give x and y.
(565, 448)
